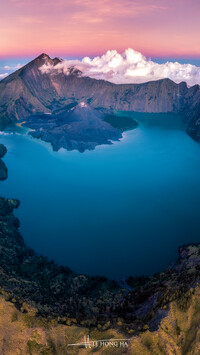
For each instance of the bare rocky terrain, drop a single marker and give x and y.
(32, 90)
(3, 168)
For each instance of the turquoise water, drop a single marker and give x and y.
(118, 210)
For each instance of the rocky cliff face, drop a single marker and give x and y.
(193, 122)
(81, 127)
(3, 168)
(30, 90)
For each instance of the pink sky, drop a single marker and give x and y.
(90, 27)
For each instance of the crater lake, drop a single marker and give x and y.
(119, 210)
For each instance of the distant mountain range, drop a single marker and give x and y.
(31, 90)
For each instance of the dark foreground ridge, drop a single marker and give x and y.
(42, 87)
(58, 292)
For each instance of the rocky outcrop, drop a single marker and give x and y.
(3, 168)
(193, 123)
(80, 127)
(31, 90)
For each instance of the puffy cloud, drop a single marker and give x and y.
(129, 67)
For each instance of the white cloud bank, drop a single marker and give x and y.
(129, 67)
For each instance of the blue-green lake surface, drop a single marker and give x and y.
(119, 210)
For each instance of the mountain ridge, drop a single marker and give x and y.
(30, 90)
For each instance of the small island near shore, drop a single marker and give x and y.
(78, 127)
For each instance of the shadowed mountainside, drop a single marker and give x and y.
(3, 168)
(81, 127)
(34, 89)
(30, 90)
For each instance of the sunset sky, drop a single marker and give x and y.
(161, 30)
(75, 28)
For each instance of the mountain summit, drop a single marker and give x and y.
(45, 59)
(32, 90)
(80, 127)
